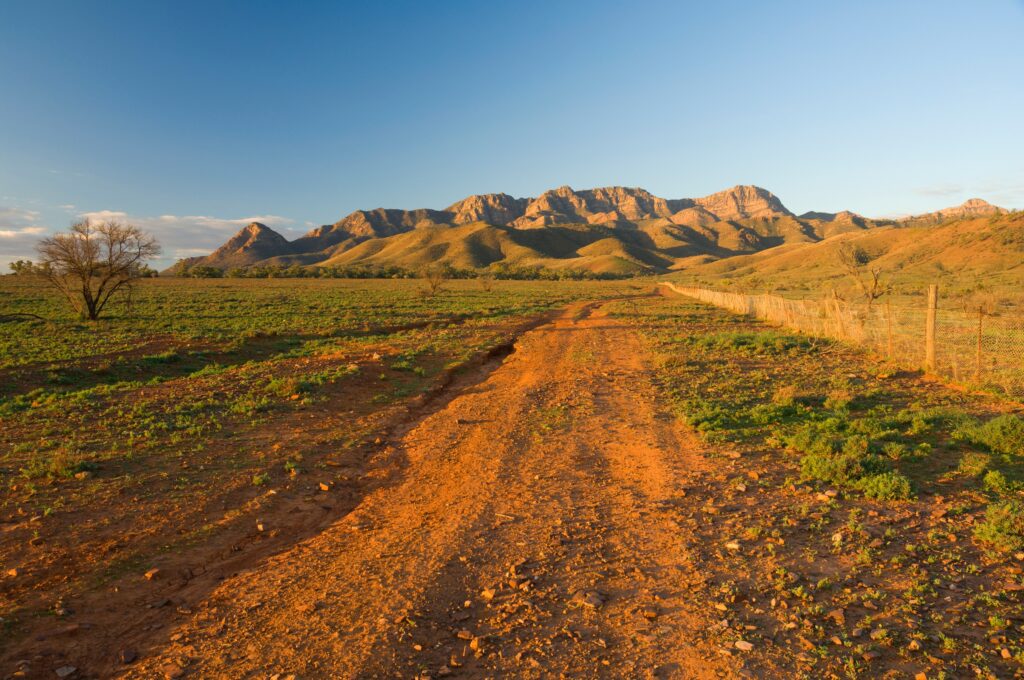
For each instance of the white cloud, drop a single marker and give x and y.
(17, 217)
(187, 235)
(180, 235)
(19, 231)
(24, 231)
(940, 190)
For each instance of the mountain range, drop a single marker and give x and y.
(616, 230)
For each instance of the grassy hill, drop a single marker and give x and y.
(961, 255)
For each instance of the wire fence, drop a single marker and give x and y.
(984, 350)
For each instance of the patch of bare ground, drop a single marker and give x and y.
(117, 562)
(530, 535)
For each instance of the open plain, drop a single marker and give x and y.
(592, 479)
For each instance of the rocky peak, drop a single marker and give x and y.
(253, 234)
(841, 216)
(969, 208)
(974, 206)
(741, 202)
(490, 208)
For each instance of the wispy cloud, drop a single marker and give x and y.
(24, 231)
(187, 235)
(180, 235)
(940, 190)
(19, 230)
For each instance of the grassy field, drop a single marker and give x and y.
(855, 518)
(120, 439)
(884, 507)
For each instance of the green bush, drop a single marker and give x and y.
(1003, 434)
(706, 416)
(848, 461)
(894, 450)
(767, 414)
(995, 482)
(1003, 527)
(886, 486)
(765, 342)
(974, 464)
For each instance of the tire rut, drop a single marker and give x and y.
(530, 535)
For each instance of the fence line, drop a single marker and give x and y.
(981, 350)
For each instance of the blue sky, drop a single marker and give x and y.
(190, 118)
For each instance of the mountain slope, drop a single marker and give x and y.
(621, 229)
(253, 243)
(985, 250)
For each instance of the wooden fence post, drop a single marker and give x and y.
(929, 332)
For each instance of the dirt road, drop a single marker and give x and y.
(528, 533)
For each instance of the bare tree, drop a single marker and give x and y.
(857, 263)
(94, 261)
(435, 276)
(486, 279)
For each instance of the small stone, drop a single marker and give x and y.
(649, 613)
(172, 671)
(325, 486)
(12, 572)
(920, 676)
(1005, 653)
(914, 646)
(65, 671)
(732, 545)
(488, 594)
(127, 656)
(464, 635)
(259, 526)
(591, 599)
(151, 574)
(84, 474)
(743, 645)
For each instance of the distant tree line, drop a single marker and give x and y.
(500, 271)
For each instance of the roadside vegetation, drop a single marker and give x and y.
(861, 519)
(189, 414)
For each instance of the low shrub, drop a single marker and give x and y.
(996, 482)
(706, 416)
(974, 464)
(833, 456)
(1003, 434)
(1002, 530)
(886, 486)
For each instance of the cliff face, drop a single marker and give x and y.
(489, 208)
(743, 202)
(971, 208)
(601, 229)
(564, 205)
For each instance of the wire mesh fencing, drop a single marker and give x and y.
(982, 349)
